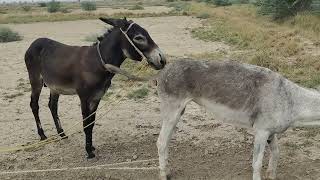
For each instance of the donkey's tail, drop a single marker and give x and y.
(32, 59)
(116, 70)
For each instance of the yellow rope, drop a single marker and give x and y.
(57, 137)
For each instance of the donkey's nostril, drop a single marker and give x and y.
(162, 60)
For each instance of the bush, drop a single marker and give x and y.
(65, 10)
(221, 2)
(53, 6)
(203, 16)
(7, 35)
(42, 4)
(136, 7)
(26, 8)
(279, 9)
(88, 6)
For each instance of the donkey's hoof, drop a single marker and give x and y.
(165, 177)
(91, 155)
(93, 148)
(63, 136)
(270, 175)
(43, 137)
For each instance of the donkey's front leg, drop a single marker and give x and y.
(171, 113)
(89, 106)
(260, 142)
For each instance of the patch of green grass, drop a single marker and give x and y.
(180, 6)
(203, 16)
(26, 8)
(42, 4)
(16, 19)
(136, 7)
(139, 93)
(53, 6)
(65, 10)
(210, 56)
(278, 47)
(88, 6)
(8, 35)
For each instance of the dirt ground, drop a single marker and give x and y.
(202, 147)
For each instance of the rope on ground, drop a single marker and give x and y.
(105, 166)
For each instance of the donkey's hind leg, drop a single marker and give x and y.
(53, 106)
(36, 87)
(171, 112)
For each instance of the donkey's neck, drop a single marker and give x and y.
(307, 105)
(111, 51)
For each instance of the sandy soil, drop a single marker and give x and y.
(202, 147)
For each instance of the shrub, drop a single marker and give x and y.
(7, 35)
(26, 8)
(203, 16)
(136, 7)
(53, 6)
(88, 6)
(279, 9)
(65, 10)
(42, 4)
(222, 2)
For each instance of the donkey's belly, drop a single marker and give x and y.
(228, 115)
(59, 89)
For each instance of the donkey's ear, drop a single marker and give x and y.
(110, 21)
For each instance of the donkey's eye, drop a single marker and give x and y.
(138, 38)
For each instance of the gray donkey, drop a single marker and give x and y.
(241, 94)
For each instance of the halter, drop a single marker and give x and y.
(130, 41)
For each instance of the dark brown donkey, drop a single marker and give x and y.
(79, 70)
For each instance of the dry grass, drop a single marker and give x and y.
(71, 17)
(279, 47)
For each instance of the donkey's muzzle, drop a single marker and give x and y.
(156, 59)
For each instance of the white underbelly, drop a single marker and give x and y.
(62, 90)
(227, 115)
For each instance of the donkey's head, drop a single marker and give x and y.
(136, 42)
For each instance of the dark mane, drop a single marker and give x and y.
(100, 38)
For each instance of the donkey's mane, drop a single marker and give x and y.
(100, 38)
